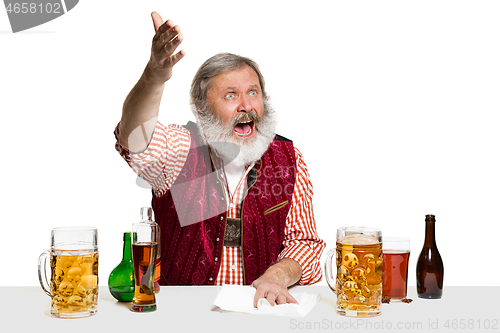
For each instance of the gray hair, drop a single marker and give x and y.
(216, 65)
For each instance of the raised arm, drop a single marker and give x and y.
(141, 107)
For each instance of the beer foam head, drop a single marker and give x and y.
(358, 239)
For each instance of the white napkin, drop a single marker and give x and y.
(240, 299)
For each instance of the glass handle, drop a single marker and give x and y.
(328, 269)
(42, 272)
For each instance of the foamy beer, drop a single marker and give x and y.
(74, 261)
(357, 276)
(395, 267)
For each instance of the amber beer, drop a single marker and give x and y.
(395, 274)
(144, 259)
(74, 282)
(359, 275)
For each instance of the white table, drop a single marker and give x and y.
(191, 309)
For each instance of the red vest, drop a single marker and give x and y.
(192, 214)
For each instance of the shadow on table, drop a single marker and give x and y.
(107, 297)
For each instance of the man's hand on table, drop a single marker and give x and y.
(273, 284)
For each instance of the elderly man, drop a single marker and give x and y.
(233, 199)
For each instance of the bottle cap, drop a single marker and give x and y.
(430, 218)
(146, 214)
(127, 235)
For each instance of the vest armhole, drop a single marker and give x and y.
(278, 137)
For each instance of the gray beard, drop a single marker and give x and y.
(234, 151)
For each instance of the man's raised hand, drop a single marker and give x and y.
(165, 41)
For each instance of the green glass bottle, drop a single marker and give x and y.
(121, 280)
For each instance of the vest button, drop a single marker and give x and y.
(221, 218)
(216, 259)
(210, 279)
(217, 239)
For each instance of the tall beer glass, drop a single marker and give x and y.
(74, 261)
(395, 267)
(144, 248)
(357, 276)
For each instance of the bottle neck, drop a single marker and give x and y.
(127, 248)
(430, 234)
(146, 214)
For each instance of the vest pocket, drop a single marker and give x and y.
(274, 208)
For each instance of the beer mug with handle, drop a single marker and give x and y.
(356, 276)
(74, 260)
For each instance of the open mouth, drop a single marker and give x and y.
(244, 129)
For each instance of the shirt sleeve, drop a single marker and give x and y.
(163, 159)
(301, 239)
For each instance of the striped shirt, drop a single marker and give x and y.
(161, 163)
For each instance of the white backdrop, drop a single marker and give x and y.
(394, 104)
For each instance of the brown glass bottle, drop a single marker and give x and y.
(430, 269)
